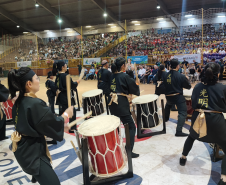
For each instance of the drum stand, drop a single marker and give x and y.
(140, 135)
(85, 164)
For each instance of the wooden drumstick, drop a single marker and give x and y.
(68, 84)
(135, 69)
(73, 146)
(82, 74)
(80, 119)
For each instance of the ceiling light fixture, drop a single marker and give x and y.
(25, 32)
(88, 26)
(159, 19)
(105, 14)
(110, 24)
(17, 26)
(137, 24)
(221, 15)
(158, 6)
(188, 15)
(36, 4)
(113, 26)
(60, 21)
(134, 21)
(191, 19)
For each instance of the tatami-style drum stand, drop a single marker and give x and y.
(103, 152)
(147, 115)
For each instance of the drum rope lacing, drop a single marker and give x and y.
(96, 104)
(6, 109)
(149, 114)
(120, 144)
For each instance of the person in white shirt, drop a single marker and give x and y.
(141, 72)
(222, 51)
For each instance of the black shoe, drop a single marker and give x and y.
(183, 161)
(54, 142)
(181, 134)
(135, 155)
(221, 182)
(33, 180)
(4, 138)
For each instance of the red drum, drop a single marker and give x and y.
(7, 108)
(187, 95)
(106, 150)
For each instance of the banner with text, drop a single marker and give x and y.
(216, 56)
(138, 59)
(24, 64)
(189, 58)
(88, 61)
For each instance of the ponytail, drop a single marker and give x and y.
(116, 66)
(57, 66)
(161, 68)
(16, 84)
(212, 70)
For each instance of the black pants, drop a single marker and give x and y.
(46, 176)
(132, 129)
(62, 108)
(189, 143)
(51, 104)
(106, 101)
(2, 127)
(182, 111)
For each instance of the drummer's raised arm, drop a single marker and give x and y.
(185, 82)
(133, 88)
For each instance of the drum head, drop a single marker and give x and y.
(187, 92)
(145, 99)
(99, 125)
(224, 115)
(92, 93)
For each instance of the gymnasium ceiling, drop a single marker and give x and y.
(76, 13)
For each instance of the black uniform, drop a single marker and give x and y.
(103, 82)
(161, 88)
(174, 83)
(4, 94)
(34, 120)
(122, 83)
(196, 65)
(209, 97)
(51, 93)
(167, 64)
(62, 96)
(185, 62)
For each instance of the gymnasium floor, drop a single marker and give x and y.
(157, 164)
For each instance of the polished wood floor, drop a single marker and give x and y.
(90, 85)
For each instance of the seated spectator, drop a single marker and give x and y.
(91, 72)
(141, 72)
(153, 73)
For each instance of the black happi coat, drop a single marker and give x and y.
(50, 85)
(174, 83)
(61, 85)
(122, 83)
(4, 94)
(210, 97)
(161, 89)
(103, 77)
(34, 120)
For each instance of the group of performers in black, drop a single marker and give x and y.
(34, 120)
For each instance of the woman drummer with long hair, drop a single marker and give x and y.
(60, 69)
(121, 85)
(208, 122)
(33, 121)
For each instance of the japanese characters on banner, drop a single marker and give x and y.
(189, 58)
(88, 61)
(24, 64)
(138, 59)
